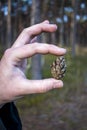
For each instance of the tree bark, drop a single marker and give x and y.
(36, 60)
(73, 27)
(9, 25)
(61, 39)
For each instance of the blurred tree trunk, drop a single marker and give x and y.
(73, 26)
(9, 25)
(36, 60)
(61, 39)
(2, 30)
(45, 4)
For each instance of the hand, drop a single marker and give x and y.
(13, 82)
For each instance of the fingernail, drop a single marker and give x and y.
(46, 21)
(58, 84)
(54, 26)
(63, 50)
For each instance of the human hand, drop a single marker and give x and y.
(13, 82)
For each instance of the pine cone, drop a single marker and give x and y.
(58, 68)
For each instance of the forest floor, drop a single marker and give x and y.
(62, 109)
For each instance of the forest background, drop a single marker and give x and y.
(64, 109)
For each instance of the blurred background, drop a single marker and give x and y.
(62, 109)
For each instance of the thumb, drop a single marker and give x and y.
(39, 86)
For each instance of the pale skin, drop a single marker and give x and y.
(13, 82)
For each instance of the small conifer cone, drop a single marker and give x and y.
(58, 68)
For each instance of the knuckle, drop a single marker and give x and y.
(7, 53)
(25, 31)
(41, 90)
(35, 46)
(51, 46)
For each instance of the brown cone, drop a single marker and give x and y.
(58, 68)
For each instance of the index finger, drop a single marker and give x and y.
(28, 33)
(29, 50)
